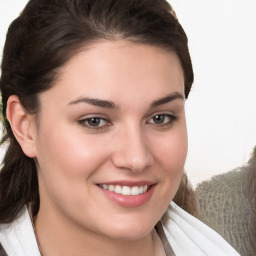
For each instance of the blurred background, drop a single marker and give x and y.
(221, 109)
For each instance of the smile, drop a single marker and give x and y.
(125, 190)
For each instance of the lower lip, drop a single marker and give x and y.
(129, 201)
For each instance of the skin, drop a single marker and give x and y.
(127, 144)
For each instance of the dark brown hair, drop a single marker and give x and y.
(186, 197)
(43, 38)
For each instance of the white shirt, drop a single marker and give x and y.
(186, 235)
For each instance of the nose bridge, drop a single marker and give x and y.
(133, 151)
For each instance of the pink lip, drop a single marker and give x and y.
(129, 201)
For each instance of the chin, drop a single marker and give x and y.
(130, 230)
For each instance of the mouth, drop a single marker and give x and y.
(128, 194)
(126, 190)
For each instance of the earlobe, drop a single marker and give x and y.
(22, 125)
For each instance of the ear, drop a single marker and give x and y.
(22, 124)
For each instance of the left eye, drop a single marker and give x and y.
(162, 119)
(94, 122)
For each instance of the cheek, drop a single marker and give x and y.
(68, 155)
(171, 156)
(66, 165)
(173, 151)
(170, 159)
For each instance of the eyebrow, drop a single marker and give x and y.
(111, 105)
(95, 102)
(168, 98)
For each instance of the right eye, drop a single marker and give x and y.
(94, 122)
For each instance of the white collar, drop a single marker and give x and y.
(18, 238)
(189, 236)
(186, 235)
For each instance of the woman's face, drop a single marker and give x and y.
(114, 120)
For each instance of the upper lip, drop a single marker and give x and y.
(128, 183)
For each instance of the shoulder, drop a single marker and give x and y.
(18, 238)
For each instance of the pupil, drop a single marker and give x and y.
(159, 119)
(94, 121)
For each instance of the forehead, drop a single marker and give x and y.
(114, 68)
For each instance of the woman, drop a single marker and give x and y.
(93, 99)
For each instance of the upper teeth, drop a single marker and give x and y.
(125, 190)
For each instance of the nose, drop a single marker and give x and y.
(132, 151)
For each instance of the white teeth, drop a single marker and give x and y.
(110, 187)
(141, 189)
(105, 186)
(134, 191)
(126, 190)
(118, 189)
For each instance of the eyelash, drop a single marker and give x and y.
(171, 118)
